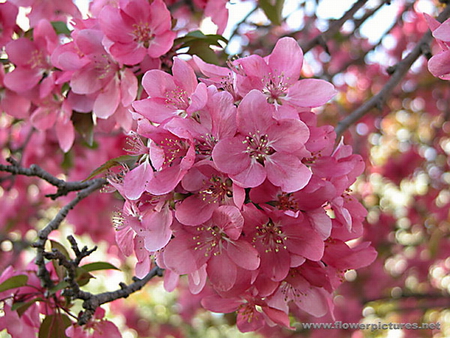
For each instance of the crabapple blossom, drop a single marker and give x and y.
(49, 10)
(31, 58)
(179, 94)
(262, 149)
(136, 29)
(8, 15)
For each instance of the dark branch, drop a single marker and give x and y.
(92, 302)
(401, 69)
(34, 170)
(334, 27)
(54, 224)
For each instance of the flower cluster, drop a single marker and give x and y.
(94, 69)
(238, 188)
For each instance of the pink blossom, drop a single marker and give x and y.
(215, 121)
(216, 243)
(216, 10)
(281, 241)
(221, 77)
(210, 189)
(31, 58)
(171, 157)
(98, 80)
(174, 95)
(296, 288)
(17, 326)
(136, 29)
(95, 328)
(264, 147)
(8, 15)
(54, 111)
(439, 64)
(49, 10)
(252, 313)
(11, 102)
(277, 76)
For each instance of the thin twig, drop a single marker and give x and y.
(54, 224)
(400, 70)
(64, 187)
(334, 27)
(92, 302)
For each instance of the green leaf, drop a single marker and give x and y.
(84, 124)
(195, 36)
(60, 270)
(14, 282)
(60, 286)
(60, 27)
(203, 51)
(129, 160)
(272, 11)
(21, 307)
(98, 266)
(83, 277)
(54, 326)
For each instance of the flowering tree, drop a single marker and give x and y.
(304, 181)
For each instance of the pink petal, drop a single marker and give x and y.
(288, 135)
(439, 65)
(86, 81)
(229, 219)
(65, 134)
(286, 59)
(43, 118)
(157, 83)
(310, 93)
(229, 155)
(107, 100)
(221, 305)
(127, 53)
(243, 254)
(184, 75)
(222, 272)
(19, 51)
(128, 87)
(156, 225)
(251, 177)
(197, 280)
(22, 79)
(254, 113)
(136, 180)
(287, 172)
(194, 211)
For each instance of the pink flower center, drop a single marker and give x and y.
(103, 66)
(289, 292)
(217, 190)
(143, 34)
(275, 88)
(209, 241)
(258, 147)
(287, 202)
(174, 151)
(271, 236)
(38, 60)
(205, 147)
(179, 99)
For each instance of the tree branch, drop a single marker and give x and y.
(333, 28)
(54, 224)
(92, 302)
(34, 170)
(400, 70)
